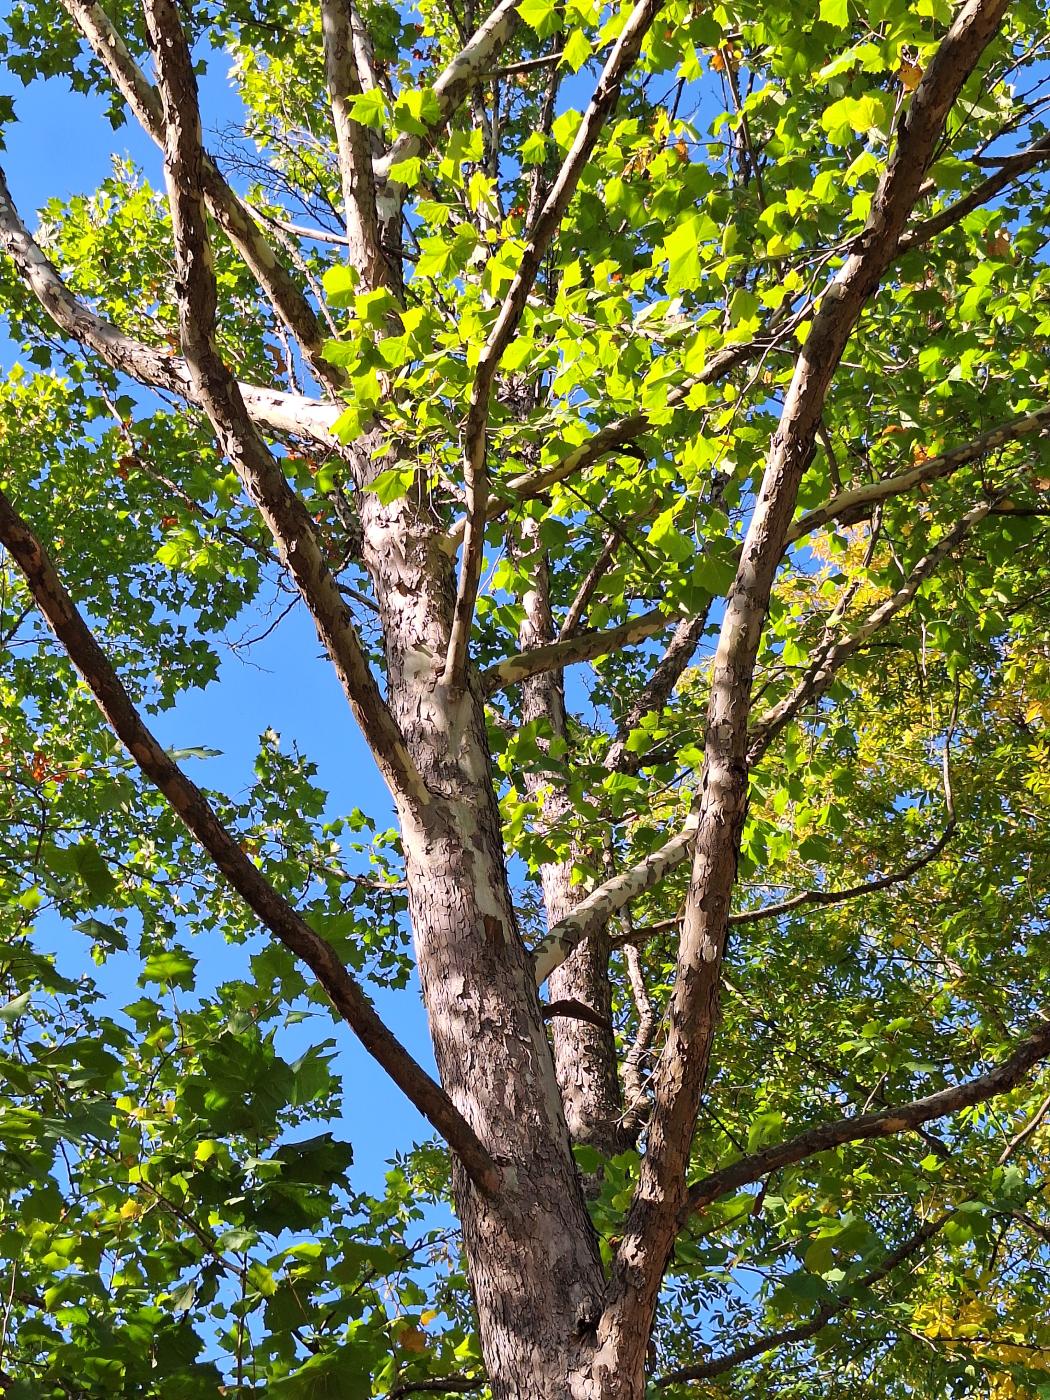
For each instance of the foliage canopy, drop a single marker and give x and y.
(517, 303)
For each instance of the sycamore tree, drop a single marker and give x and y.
(646, 405)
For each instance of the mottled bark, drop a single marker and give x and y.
(534, 1265)
(353, 144)
(692, 1016)
(584, 1051)
(551, 1325)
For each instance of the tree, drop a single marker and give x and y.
(647, 407)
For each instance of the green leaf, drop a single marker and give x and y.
(344, 1375)
(534, 149)
(17, 1006)
(819, 1258)
(340, 284)
(393, 484)
(106, 935)
(541, 15)
(683, 250)
(850, 116)
(369, 108)
(765, 1128)
(407, 172)
(416, 111)
(577, 50)
(174, 968)
(835, 12)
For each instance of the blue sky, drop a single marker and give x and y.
(61, 145)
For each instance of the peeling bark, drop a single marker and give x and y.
(584, 1052)
(512, 1096)
(534, 1265)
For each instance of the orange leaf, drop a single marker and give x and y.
(997, 245)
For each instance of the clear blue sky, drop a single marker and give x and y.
(62, 145)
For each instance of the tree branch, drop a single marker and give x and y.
(364, 54)
(852, 504)
(828, 897)
(1010, 169)
(822, 669)
(318, 235)
(621, 432)
(634, 1078)
(157, 368)
(574, 1010)
(593, 912)
(352, 144)
(902, 1118)
(692, 1013)
(614, 894)
(718, 1365)
(453, 84)
(229, 212)
(439, 1385)
(475, 432)
(656, 692)
(581, 601)
(586, 645)
(1022, 1136)
(194, 810)
(285, 515)
(844, 505)
(880, 882)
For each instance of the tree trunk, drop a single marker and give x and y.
(532, 1253)
(584, 1053)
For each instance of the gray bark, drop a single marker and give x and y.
(551, 1325)
(535, 1270)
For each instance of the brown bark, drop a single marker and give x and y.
(196, 813)
(531, 1242)
(534, 1266)
(692, 1017)
(551, 1325)
(219, 395)
(353, 145)
(584, 1051)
